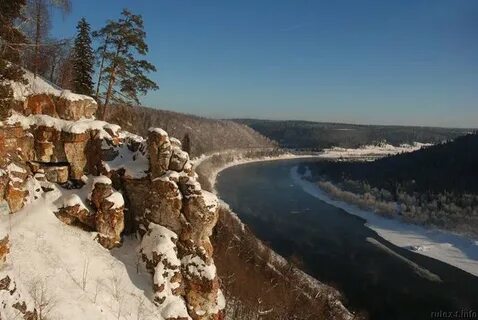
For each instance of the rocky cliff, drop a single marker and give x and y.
(110, 182)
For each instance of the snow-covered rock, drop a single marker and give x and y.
(38, 96)
(110, 180)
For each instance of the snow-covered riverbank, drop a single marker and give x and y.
(453, 249)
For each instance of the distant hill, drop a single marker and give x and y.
(319, 135)
(206, 135)
(446, 167)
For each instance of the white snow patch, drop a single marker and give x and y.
(73, 200)
(198, 267)
(135, 163)
(83, 279)
(210, 200)
(158, 131)
(117, 199)
(38, 85)
(12, 167)
(161, 241)
(101, 179)
(77, 127)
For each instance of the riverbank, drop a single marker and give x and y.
(453, 249)
(258, 282)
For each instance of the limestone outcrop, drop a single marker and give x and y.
(111, 182)
(178, 215)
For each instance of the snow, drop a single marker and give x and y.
(161, 241)
(158, 131)
(175, 142)
(101, 179)
(77, 127)
(117, 199)
(82, 279)
(198, 267)
(38, 85)
(169, 175)
(12, 167)
(210, 200)
(135, 163)
(453, 249)
(73, 200)
(371, 151)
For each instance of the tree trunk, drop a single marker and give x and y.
(108, 92)
(100, 73)
(111, 82)
(37, 38)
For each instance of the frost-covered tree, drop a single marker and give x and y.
(83, 59)
(121, 72)
(11, 45)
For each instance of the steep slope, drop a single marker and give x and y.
(319, 135)
(206, 135)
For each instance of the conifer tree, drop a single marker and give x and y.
(123, 73)
(83, 60)
(11, 40)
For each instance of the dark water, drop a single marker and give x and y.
(333, 247)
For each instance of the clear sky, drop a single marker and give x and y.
(411, 62)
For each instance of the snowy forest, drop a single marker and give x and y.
(436, 186)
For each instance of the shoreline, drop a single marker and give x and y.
(448, 247)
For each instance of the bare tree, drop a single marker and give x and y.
(38, 13)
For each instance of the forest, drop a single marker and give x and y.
(316, 136)
(437, 185)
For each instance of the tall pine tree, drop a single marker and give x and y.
(83, 60)
(11, 40)
(123, 73)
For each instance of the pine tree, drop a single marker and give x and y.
(124, 74)
(11, 40)
(83, 60)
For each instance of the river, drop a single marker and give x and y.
(375, 276)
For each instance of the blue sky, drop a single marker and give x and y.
(410, 62)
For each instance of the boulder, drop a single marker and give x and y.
(15, 197)
(160, 151)
(56, 174)
(63, 107)
(75, 109)
(110, 222)
(178, 159)
(166, 203)
(4, 249)
(159, 253)
(201, 211)
(72, 211)
(109, 205)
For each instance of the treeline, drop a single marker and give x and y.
(319, 135)
(437, 185)
(198, 135)
(107, 63)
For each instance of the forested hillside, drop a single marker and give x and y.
(319, 135)
(451, 167)
(437, 185)
(204, 135)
